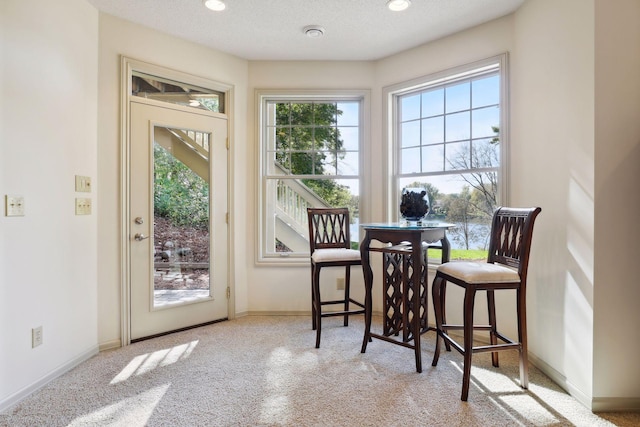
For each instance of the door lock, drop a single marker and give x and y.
(139, 220)
(140, 237)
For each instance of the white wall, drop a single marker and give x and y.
(119, 37)
(48, 258)
(553, 166)
(616, 379)
(576, 103)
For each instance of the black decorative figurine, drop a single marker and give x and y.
(414, 204)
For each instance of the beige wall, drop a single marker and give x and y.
(48, 122)
(616, 379)
(575, 109)
(553, 165)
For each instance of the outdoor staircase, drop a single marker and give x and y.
(293, 197)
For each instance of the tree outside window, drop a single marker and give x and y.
(310, 158)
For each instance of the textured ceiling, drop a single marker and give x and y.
(273, 29)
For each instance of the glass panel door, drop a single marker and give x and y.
(181, 216)
(178, 244)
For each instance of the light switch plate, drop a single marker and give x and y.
(36, 337)
(83, 206)
(83, 184)
(14, 205)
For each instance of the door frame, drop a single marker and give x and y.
(128, 65)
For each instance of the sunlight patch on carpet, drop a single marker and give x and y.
(560, 401)
(275, 410)
(276, 405)
(280, 356)
(307, 361)
(500, 383)
(529, 409)
(132, 411)
(150, 361)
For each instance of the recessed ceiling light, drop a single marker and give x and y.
(313, 31)
(398, 5)
(217, 5)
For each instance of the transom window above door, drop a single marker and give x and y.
(174, 92)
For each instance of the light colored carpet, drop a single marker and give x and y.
(265, 371)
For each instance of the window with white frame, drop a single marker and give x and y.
(309, 157)
(450, 138)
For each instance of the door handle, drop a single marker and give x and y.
(140, 237)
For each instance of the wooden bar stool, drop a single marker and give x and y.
(330, 246)
(506, 268)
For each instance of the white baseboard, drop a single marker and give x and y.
(595, 404)
(561, 380)
(286, 313)
(615, 404)
(21, 394)
(110, 345)
(274, 313)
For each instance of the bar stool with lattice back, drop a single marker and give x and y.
(330, 246)
(506, 268)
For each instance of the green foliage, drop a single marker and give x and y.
(307, 139)
(211, 104)
(308, 143)
(461, 254)
(334, 194)
(180, 195)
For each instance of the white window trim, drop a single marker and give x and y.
(262, 96)
(390, 136)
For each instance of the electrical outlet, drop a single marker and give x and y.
(36, 337)
(340, 283)
(83, 206)
(14, 205)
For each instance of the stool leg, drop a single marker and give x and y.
(443, 311)
(318, 304)
(436, 289)
(313, 299)
(522, 338)
(469, 299)
(491, 305)
(347, 292)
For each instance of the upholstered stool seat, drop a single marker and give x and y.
(476, 272)
(331, 255)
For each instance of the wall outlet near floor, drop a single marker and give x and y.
(340, 283)
(36, 337)
(14, 205)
